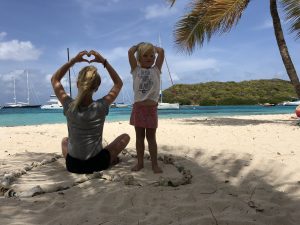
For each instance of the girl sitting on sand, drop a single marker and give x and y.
(83, 148)
(146, 70)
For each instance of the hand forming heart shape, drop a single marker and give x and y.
(88, 57)
(85, 56)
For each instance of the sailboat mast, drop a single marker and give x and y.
(160, 45)
(165, 105)
(160, 91)
(15, 97)
(28, 100)
(169, 71)
(69, 75)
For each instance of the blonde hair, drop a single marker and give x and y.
(88, 82)
(142, 49)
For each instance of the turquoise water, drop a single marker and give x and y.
(36, 116)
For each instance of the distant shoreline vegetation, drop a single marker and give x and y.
(251, 92)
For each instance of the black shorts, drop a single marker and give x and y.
(99, 162)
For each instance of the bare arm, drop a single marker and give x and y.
(118, 83)
(160, 57)
(131, 57)
(60, 73)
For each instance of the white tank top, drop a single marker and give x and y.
(146, 83)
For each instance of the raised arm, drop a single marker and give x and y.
(160, 57)
(59, 74)
(114, 92)
(131, 57)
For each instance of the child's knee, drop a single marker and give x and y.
(64, 141)
(126, 137)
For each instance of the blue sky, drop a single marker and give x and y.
(35, 35)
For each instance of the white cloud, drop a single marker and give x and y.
(2, 35)
(18, 51)
(267, 24)
(189, 70)
(183, 65)
(175, 77)
(8, 77)
(48, 78)
(96, 6)
(119, 33)
(117, 53)
(155, 11)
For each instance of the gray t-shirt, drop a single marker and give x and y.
(85, 128)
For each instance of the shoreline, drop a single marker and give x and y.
(164, 117)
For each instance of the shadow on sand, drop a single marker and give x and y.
(224, 190)
(235, 121)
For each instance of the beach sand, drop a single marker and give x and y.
(245, 170)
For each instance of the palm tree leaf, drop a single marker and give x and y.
(206, 18)
(292, 10)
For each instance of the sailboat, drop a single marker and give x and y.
(121, 104)
(161, 104)
(17, 104)
(166, 105)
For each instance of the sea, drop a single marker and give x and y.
(10, 117)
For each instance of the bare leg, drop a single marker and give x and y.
(140, 148)
(117, 146)
(151, 138)
(64, 146)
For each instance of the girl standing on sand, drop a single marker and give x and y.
(83, 148)
(145, 70)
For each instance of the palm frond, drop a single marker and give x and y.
(206, 18)
(292, 10)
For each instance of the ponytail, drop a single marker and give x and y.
(88, 82)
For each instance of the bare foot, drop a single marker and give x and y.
(137, 167)
(156, 169)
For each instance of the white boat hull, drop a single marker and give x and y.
(295, 103)
(119, 105)
(52, 106)
(164, 105)
(53, 103)
(122, 105)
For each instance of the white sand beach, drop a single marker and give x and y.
(245, 171)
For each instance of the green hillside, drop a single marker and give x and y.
(231, 93)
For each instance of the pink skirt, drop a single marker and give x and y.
(144, 116)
